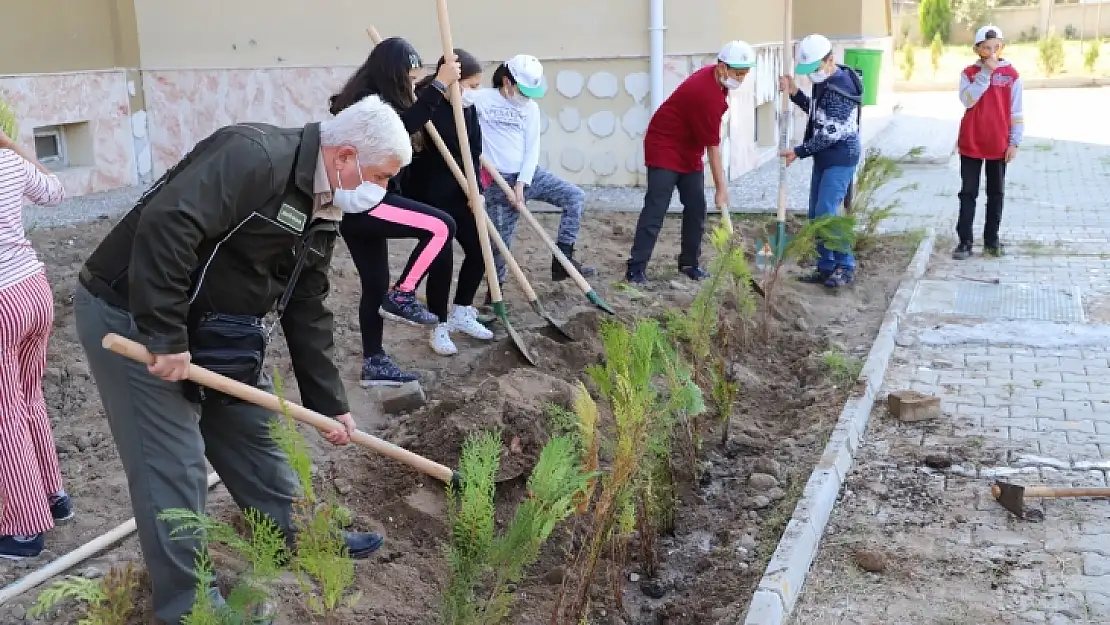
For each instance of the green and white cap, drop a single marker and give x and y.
(811, 51)
(737, 55)
(527, 71)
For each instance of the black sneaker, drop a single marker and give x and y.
(817, 276)
(962, 252)
(558, 272)
(18, 548)
(840, 277)
(61, 508)
(361, 545)
(381, 371)
(694, 273)
(403, 307)
(637, 277)
(994, 251)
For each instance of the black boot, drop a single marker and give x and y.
(558, 272)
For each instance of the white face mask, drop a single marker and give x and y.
(732, 83)
(818, 76)
(467, 97)
(362, 199)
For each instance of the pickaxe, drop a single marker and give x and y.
(1012, 497)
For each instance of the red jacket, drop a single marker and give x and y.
(687, 123)
(992, 121)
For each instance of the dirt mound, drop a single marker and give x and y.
(513, 404)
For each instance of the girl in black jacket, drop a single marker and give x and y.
(390, 73)
(428, 179)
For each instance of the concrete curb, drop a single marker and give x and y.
(786, 573)
(1062, 82)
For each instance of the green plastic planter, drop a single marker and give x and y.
(867, 63)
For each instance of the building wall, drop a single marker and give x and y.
(59, 60)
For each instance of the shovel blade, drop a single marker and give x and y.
(538, 308)
(596, 300)
(517, 339)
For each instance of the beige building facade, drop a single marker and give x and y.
(116, 91)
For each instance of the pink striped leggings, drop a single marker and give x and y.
(28, 463)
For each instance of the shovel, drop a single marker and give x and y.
(477, 202)
(137, 352)
(1012, 497)
(514, 268)
(780, 240)
(591, 295)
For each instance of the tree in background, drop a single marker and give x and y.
(972, 13)
(935, 18)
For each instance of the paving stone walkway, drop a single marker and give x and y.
(1024, 399)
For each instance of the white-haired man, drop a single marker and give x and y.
(244, 226)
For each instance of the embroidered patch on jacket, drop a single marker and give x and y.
(1001, 80)
(291, 217)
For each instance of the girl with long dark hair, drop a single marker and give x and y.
(390, 73)
(428, 179)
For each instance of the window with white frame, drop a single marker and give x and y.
(50, 147)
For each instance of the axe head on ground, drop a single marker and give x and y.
(1010, 497)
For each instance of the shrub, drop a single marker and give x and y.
(8, 121)
(909, 58)
(972, 13)
(1071, 33)
(1090, 58)
(935, 18)
(108, 601)
(1051, 50)
(936, 52)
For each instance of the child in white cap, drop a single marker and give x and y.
(990, 133)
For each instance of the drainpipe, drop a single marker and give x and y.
(657, 29)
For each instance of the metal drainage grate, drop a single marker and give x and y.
(998, 301)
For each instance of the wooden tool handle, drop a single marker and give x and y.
(130, 349)
(1051, 491)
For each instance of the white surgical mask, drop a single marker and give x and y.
(467, 97)
(362, 199)
(818, 76)
(732, 83)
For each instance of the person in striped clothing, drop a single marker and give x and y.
(31, 494)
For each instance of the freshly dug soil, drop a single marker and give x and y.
(727, 525)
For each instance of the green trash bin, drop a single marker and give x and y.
(867, 64)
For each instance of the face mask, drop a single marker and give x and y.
(362, 199)
(732, 83)
(467, 97)
(818, 76)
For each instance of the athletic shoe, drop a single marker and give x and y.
(962, 252)
(403, 307)
(380, 370)
(61, 508)
(361, 545)
(558, 272)
(465, 319)
(636, 277)
(20, 547)
(995, 251)
(694, 273)
(441, 341)
(840, 277)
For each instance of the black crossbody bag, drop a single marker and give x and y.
(234, 346)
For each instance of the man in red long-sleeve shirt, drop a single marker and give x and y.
(686, 125)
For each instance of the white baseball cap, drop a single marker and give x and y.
(527, 71)
(737, 55)
(983, 33)
(811, 51)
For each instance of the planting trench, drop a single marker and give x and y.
(726, 526)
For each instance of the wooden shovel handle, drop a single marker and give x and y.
(137, 352)
(1051, 491)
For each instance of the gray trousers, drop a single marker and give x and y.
(163, 440)
(546, 187)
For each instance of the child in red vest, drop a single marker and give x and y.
(990, 133)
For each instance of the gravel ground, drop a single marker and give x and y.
(77, 210)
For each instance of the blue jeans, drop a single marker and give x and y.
(827, 189)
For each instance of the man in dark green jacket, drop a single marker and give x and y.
(194, 272)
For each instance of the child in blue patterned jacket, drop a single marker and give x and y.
(832, 139)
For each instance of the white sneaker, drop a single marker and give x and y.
(465, 319)
(441, 341)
